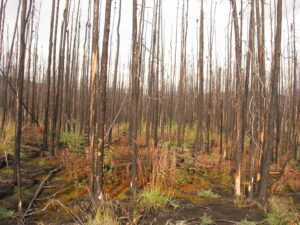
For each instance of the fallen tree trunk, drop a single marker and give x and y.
(38, 192)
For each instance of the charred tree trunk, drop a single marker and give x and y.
(103, 94)
(267, 154)
(47, 103)
(93, 86)
(22, 54)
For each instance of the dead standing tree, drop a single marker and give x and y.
(134, 97)
(22, 54)
(103, 94)
(270, 119)
(200, 96)
(93, 86)
(47, 103)
(57, 106)
(182, 80)
(238, 150)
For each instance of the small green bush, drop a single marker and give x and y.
(283, 212)
(4, 213)
(208, 194)
(206, 220)
(154, 198)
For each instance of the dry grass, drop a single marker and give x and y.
(157, 166)
(7, 139)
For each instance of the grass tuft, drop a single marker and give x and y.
(102, 218)
(206, 220)
(208, 194)
(154, 198)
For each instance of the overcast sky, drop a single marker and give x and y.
(169, 10)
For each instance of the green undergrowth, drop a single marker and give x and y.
(76, 143)
(283, 212)
(102, 213)
(5, 213)
(208, 194)
(102, 218)
(183, 177)
(223, 176)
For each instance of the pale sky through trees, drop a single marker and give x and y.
(169, 19)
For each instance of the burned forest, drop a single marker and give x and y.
(149, 112)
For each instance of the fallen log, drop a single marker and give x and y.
(38, 192)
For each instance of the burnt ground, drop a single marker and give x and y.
(220, 211)
(186, 208)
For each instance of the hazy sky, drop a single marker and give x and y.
(169, 19)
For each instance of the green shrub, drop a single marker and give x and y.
(208, 194)
(154, 198)
(206, 220)
(4, 213)
(283, 212)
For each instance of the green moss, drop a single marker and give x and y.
(8, 171)
(42, 162)
(23, 156)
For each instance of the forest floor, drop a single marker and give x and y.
(197, 195)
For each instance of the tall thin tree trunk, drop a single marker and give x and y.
(238, 150)
(93, 86)
(267, 154)
(103, 94)
(22, 54)
(134, 98)
(47, 103)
